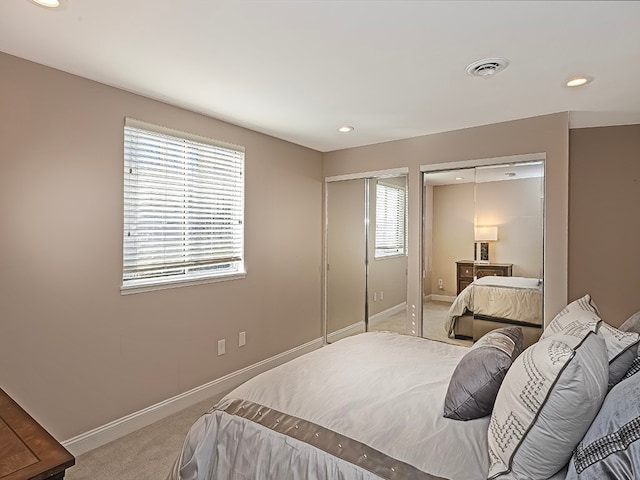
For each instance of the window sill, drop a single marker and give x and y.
(388, 257)
(152, 287)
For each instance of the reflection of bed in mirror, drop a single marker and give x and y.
(503, 196)
(493, 302)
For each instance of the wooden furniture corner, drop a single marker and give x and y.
(467, 270)
(28, 451)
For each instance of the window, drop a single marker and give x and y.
(390, 220)
(183, 207)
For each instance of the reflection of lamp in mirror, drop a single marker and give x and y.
(482, 237)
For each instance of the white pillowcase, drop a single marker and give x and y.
(573, 316)
(547, 401)
(622, 347)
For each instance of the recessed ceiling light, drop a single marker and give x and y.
(578, 81)
(345, 129)
(48, 3)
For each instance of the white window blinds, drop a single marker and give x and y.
(390, 220)
(183, 207)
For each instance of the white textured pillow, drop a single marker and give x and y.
(572, 316)
(622, 349)
(546, 403)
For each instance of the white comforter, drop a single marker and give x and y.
(513, 298)
(382, 389)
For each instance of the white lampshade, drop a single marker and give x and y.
(486, 234)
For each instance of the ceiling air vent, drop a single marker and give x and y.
(487, 67)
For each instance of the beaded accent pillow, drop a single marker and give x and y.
(547, 401)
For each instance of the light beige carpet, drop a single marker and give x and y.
(146, 454)
(394, 323)
(433, 320)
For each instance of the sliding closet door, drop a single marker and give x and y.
(346, 258)
(485, 221)
(509, 226)
(448, 212)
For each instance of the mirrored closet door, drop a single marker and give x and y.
(483, 250)
(345, 268)
(366, 256)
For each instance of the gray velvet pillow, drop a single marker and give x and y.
(611, 446)
(631, 324)
(633, 369)
(477, 378)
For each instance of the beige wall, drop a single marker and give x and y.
(453, 213)
(547, 134)
(74, 351)
(515, 207)
(604, 227)
(387, 275)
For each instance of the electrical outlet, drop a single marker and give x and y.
(221, 347)
(242, 339)
(381, 295)
(375, 296)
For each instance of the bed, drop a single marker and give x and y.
(369, 406)
(493, 301)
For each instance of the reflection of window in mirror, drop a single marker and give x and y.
(390, 220)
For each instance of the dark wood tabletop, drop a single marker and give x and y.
(28, 451)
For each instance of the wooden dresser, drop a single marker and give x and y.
(27, 451)
(465, 271)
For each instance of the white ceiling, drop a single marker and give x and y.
(298, 69)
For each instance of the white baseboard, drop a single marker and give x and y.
(347, 331)
(123, 426)
(439, 298)
(379, 317)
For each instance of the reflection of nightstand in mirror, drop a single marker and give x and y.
(465, 271)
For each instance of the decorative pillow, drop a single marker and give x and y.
(547, 401)
(611, 446)
(622, 349)
(633, 369)
(477, 378)
(631, 324)
(572, 316)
